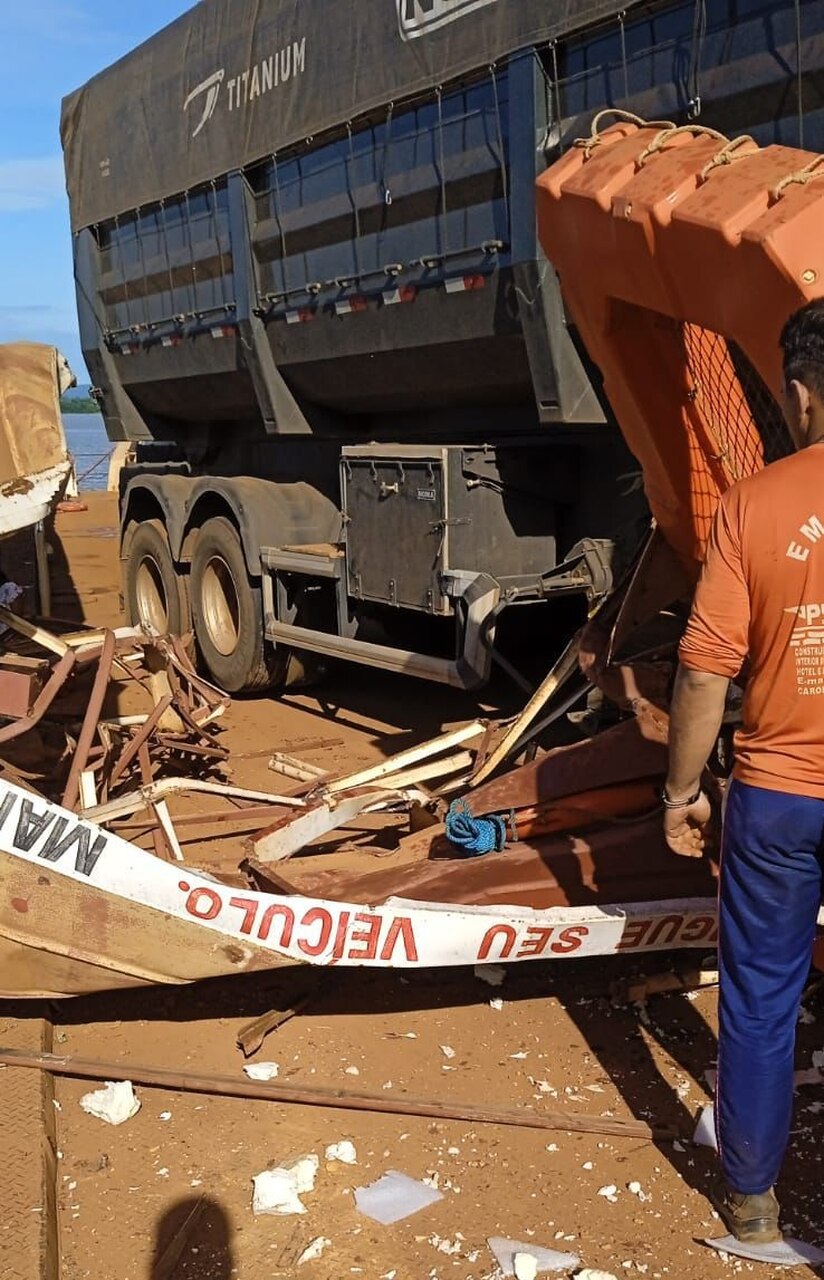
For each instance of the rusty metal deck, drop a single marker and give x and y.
(28, 1225)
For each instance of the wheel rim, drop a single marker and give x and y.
(150, 597)
(221, 608)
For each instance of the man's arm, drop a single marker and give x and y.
(712, 652)
(695, 719)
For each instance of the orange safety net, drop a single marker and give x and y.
(680, 256)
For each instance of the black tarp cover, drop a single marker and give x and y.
(234, 80)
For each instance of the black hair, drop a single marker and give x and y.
(802, 342)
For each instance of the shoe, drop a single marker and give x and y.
(751, 1219)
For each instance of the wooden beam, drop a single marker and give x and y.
(340, 1099)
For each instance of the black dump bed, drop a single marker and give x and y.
(233, 81)
(318, 215)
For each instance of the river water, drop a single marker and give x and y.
(89, 446)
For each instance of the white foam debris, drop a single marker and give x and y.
(315, 1249)
(275, 1191)
(704, 1135)
(589, 1273)
(497, 1004)
(394, 1197)
(352, 1071)
(447, 1051)
(115, 1104)
(278, 1191)
(261, 1070)
(342, 1152)
(492, 974)
(609, 1192)
(507, 1252)
(783, 1253)
(526, 1266)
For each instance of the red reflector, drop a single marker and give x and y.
(464, 284)
(345, 306)
(300, 317)
(404, 293)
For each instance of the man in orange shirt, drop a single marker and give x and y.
(761, 598)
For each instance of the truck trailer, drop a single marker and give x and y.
(311, 295)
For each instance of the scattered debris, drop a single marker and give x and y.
(609, 1192)
(783, 1253)
(492, 974)
(526, 1266)
(314, 1250)
(497, 1004)
(278, 1191)
(165, 1115)
(807, 1076)
(704, 1135)
(261, 1070)
(394, 1197)
(639, 990)
(275, 1191)
(447, 1051)
(507, 1252)
(589, 1274)
(115, 1104)
(251, 1036)
(342, 1152)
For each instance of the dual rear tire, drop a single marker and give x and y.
(219, 600)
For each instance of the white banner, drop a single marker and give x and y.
(398, 934)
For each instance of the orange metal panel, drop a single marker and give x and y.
(669, 243)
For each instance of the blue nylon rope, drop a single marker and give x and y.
(475, 836)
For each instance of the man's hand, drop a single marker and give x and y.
(685, 829)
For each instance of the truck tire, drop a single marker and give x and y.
(156, 595)
(227, 608)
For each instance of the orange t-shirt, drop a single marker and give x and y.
(761, 595)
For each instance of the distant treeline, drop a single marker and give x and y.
(79, 404)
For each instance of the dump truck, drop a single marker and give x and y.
(312, 296)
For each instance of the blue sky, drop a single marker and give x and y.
(47, 48)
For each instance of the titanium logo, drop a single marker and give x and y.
(211, 88)
(264, 76)
(419, 17)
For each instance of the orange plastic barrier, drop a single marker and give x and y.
(681, 255)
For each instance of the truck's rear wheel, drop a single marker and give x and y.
(156, 596)
(227, 607)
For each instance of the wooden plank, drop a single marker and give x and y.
(39, 635)
(340, 1099)
(292, 833)
(566, 665)
(408, 759)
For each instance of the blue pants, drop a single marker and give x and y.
(770, 894)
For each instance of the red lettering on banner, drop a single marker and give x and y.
(368, 936)
(674, 922)
(508, 934)
(196, 899)
(340, 937)
(570, 939)
(634, 933)
(288, 916)
(699, 929)
(535, 943)
(401, 927)
(316, 915)
(249, 907)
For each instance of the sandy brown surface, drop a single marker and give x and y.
(557, 1043)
